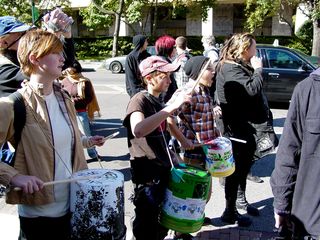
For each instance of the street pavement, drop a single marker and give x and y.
(113, 100)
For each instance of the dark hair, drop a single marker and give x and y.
(77, 66)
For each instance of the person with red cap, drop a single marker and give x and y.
(145, 121)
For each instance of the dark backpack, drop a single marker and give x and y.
(19, 122)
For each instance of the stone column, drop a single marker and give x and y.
(223, 20)
(301, 17)
(193, 22)
(207, 26)
(280, 27)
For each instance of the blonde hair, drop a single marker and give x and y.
(38, 43)
(236, 46)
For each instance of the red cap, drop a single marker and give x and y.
(156, 63)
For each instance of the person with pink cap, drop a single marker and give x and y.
(148, 137)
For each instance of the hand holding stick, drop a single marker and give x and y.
(63, 181)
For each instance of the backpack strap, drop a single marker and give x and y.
(20, 115)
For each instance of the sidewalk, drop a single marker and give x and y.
(234, 234)
(259, 194)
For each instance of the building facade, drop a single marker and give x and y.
(225, 18)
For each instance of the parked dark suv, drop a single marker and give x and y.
(283, 68)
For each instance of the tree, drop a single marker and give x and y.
(21, 9)
(258, 10)
(105, 13)
(98, 14)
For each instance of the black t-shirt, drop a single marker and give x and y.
(148, 105)
(149, 154)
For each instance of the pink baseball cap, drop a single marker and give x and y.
(156, 63)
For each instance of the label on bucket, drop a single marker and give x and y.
(189, 208)
(219, 155)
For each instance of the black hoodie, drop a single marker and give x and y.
(133, 75)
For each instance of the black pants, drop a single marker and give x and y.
(150, 181)
(46, 228)
(146, 224)
(243, 155)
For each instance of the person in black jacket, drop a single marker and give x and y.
(295, 178)
(11, 30)
(239, 90)
(133, 59)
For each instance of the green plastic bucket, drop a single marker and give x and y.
(185, 201)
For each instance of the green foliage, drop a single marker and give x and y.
(134, 10)
(305, 35)
(21, 9)
(94, 18)
(97, 48)
(101, 48)
(258, 10)
(306, 31)
(298, 44)
(194, 8)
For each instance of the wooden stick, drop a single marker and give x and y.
(200, 75)
(237, 140)
(200, 144)
(69, 180)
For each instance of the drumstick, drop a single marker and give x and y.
(237, 140)
(105, 139)
(69, 180)
(198, 138)
(200, 75)
(200, 144)
(111, 136)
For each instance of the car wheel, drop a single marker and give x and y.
(116, 67)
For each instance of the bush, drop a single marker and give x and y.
(305, 35)
(101, 48)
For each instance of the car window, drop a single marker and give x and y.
(283, 59)
(258, 54)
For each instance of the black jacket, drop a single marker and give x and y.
(239, 91)
(296, 175)
(132, 72)
(11, 75)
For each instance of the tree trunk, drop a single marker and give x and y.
(155, 20)
(117, 29)
(316, 39)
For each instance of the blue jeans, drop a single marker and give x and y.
(84, 126)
